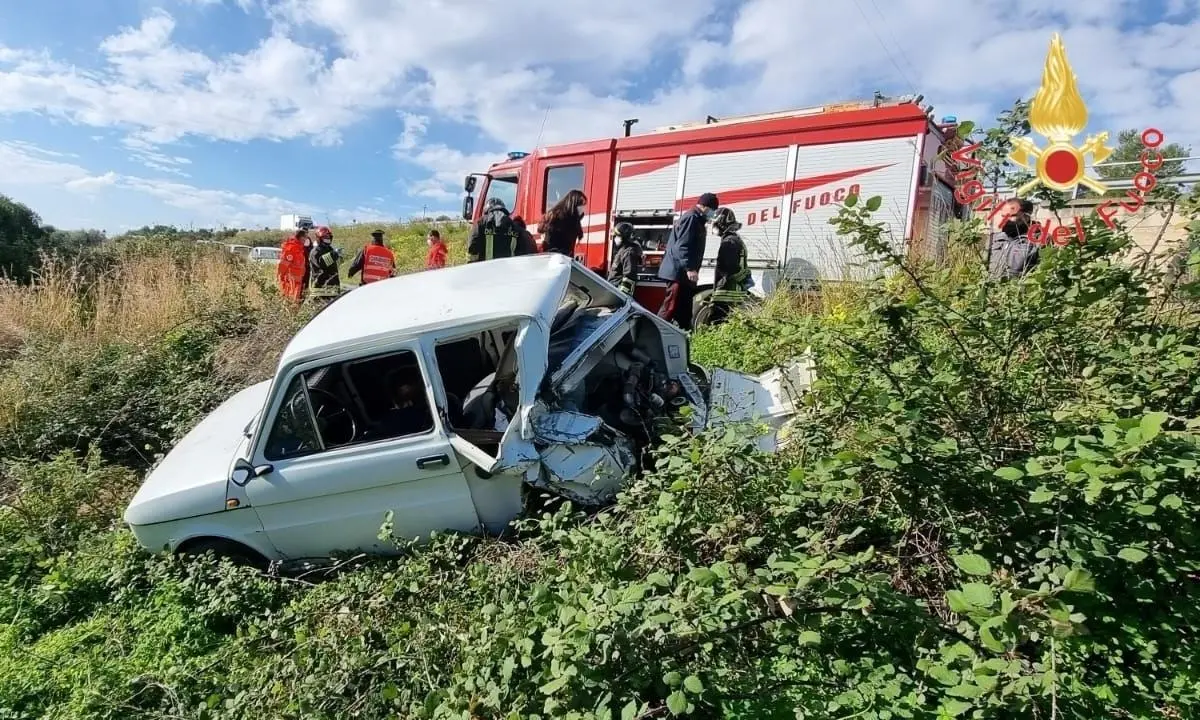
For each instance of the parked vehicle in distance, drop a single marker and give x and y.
(243, 250)
(517, 373)
(295, 222)
(269, 255)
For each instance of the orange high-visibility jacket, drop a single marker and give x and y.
(292, 267)
(378, 263)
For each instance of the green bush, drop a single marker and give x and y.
(987, 510)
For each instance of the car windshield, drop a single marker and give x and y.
(504, 188)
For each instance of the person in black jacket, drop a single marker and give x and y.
(627, 258)
(1010, 252)
(731, 279)
(681, 261)
(323, 259)
(525, 243)
(562, 226)
(494, 236)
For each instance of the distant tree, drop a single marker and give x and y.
(21, 238)
(1128, 154)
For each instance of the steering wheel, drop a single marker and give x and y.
(335, 422)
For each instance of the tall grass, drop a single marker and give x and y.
(133, 301)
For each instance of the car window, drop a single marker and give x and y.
(367, 400)
(559, 182)
(293, 433)
(504, 188)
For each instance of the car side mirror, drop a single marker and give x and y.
(469, 184)
(244, 472)
(468, 207)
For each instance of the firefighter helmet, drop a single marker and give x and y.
(624, 231)
(494, 204)
(324, 233)
(724, 221)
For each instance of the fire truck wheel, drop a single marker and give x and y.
(701, 307)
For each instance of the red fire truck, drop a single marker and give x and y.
(784, 175)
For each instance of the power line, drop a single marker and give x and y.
(899, 47)
(903, 75)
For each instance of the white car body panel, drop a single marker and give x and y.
(191, 479)
(336, 499)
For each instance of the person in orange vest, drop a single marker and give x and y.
(292, 270)
(375, 261)
(436, 257)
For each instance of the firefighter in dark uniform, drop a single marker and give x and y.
(495, 235)
(732, 280)
(323, 259)
(627, 259)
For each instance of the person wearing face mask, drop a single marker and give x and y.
(562, 226)
(323, 259)
(436, 257)
(681, 261)
(627, 258)
(1010, 253)
(731, 280)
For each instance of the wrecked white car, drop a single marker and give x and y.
(440, 396)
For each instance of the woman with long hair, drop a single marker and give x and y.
(562, 226)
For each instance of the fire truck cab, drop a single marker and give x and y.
(783, 174)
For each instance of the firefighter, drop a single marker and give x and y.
(731, 279)
(375, 261)
(494, 236)
(436, 257)
(323, 259)
(627, 258)
(681, 261)
(292, 270)
(525, 243)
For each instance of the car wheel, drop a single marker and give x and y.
(235, 552)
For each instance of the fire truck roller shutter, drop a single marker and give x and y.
(825, 175)
(749, 182)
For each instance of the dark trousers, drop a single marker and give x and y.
(677, 304)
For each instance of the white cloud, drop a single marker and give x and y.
(92, 183)
(28, 168)
(579, 68)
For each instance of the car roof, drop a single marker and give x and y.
(529, 286)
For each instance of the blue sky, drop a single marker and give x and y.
(120, 113)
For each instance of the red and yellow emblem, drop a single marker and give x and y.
(1058, 114)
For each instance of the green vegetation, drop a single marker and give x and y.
(987, 510)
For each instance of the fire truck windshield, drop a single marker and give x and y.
(504, 188)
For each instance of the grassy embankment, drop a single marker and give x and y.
(988, 511)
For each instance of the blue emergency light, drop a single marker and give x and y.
(947, 119)
(517, 155)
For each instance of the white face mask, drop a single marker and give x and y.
(582, 211)
(617, 240)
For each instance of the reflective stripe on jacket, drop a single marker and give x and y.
(733, 271)
(378, 263)
(509, 238)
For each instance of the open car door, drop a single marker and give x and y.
(769, 398)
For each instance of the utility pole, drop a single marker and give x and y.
(423, 209)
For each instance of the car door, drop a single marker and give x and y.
(316, 499)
